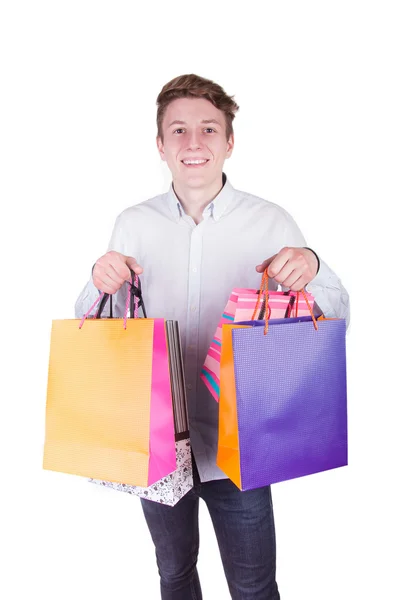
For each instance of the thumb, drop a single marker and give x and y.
(261, 268)
(133, 265)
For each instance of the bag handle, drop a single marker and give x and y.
(135, 295)
(293, 298)
(134, 301)
(264, 290)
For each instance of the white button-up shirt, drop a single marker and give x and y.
(189, 273)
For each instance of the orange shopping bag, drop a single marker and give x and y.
(109, 412)
(228, 455)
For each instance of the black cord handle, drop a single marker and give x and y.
(135, 293)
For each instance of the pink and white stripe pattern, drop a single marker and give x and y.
(240, 307)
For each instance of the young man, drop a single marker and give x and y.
(191, 246)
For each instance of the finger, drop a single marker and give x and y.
(299, 284)
(106, 284)
(113, 272)
(288, 276)
(120, 270)
(108, 271)
(261, 268)
(102, 287)
(134, 266)
(280, 260)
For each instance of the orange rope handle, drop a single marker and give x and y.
(264, 284)
(309, 308)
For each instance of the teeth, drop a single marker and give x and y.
(193, 162)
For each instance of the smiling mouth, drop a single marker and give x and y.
(200, 162)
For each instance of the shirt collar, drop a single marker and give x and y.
(216, 207)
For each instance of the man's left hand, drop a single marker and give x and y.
(293, 268)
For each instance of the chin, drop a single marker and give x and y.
(197, 181)
(194, 181)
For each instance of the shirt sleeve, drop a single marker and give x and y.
(331, 297)
(90, 293)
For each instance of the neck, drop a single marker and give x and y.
(194, 201)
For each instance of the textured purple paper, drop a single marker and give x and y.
(291, 397)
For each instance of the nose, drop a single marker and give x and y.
(194, 141)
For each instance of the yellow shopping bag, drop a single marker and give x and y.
(109, 412)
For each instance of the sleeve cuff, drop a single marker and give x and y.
(324, 275)
(317, 257)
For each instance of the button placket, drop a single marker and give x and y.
(192, 326)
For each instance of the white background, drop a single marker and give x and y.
(316, 133)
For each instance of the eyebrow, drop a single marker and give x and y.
(204, 121)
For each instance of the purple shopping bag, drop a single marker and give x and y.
(291, 398)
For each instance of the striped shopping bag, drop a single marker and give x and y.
(244, 305)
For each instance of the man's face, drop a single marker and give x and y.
(194, 130)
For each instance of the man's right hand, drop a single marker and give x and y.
(112, 270)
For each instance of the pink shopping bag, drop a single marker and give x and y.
(241, 306)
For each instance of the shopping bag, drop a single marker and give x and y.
(168, 490)
(283, 400)
(171, 488)
(109, 411)
(248, 304)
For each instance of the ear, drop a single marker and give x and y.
(230, 145)
(160, 146)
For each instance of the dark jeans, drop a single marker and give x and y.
(244, 526)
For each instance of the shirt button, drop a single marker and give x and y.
(194, 270)
(193, 308)
(189, 386)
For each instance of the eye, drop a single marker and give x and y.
(177, 130)
(210, 129)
